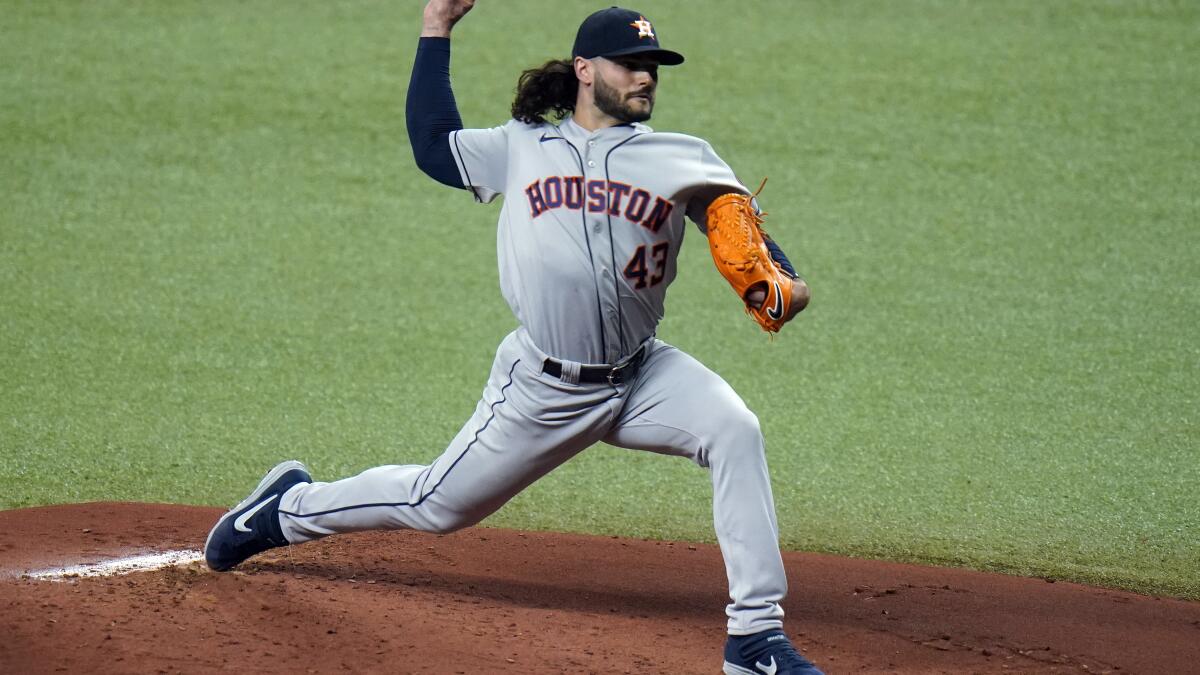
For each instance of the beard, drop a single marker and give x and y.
(611, 103)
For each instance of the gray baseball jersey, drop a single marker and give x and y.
(590, 226)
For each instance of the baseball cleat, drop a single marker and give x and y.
(253, 526)
(766, 653)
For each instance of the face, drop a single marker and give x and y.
(625, 86)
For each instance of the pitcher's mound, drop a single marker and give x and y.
(499, 601)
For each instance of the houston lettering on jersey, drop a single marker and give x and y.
(572, 192)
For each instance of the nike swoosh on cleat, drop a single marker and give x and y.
(240, 523)
(776, 312)
(767, 668)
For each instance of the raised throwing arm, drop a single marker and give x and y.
(431, 113)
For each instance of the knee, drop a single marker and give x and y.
(735, 433)
(446, 522)
(438, 519)
(444, 528)
(739, 423)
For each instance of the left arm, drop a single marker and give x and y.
(753, 264)
(719, 185)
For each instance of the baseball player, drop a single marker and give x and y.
(589, 230)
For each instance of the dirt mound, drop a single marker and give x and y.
(499, 601)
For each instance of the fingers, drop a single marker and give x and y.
(441, 15)
(454, 9)
(755, 297)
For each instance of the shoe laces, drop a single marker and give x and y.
(787, 657)
(785, 654)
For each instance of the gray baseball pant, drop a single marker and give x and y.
(528, 422)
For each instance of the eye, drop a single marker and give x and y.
(650, 67)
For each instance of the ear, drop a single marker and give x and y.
(584, 70)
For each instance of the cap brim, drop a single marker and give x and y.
(665, 57)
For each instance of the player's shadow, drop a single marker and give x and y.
(572, 593)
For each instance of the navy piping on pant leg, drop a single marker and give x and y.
(435, 487)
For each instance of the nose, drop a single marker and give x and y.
(645, 76)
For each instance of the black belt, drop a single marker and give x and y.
(618, 374)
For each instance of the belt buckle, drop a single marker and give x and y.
(616, 371)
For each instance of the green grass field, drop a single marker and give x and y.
(215, 253)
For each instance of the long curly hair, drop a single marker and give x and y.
(552, 88)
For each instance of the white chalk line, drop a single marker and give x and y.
(109, 568)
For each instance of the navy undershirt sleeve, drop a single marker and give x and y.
(431, 113)
(778, 256)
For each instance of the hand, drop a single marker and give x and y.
(800, 297)
(441, 15)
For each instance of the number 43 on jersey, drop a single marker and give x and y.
(645, 272)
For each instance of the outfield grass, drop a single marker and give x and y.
(215, 253)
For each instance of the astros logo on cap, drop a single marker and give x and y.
(644, 27)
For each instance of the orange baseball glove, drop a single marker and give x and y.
(735, 237)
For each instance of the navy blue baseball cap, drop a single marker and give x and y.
(619, 32)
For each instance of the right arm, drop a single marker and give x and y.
(430, 110)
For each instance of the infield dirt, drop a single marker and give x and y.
(500, 601)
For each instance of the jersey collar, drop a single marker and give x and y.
(573, 132)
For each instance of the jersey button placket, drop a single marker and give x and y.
(604, 282)
(596, 220)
